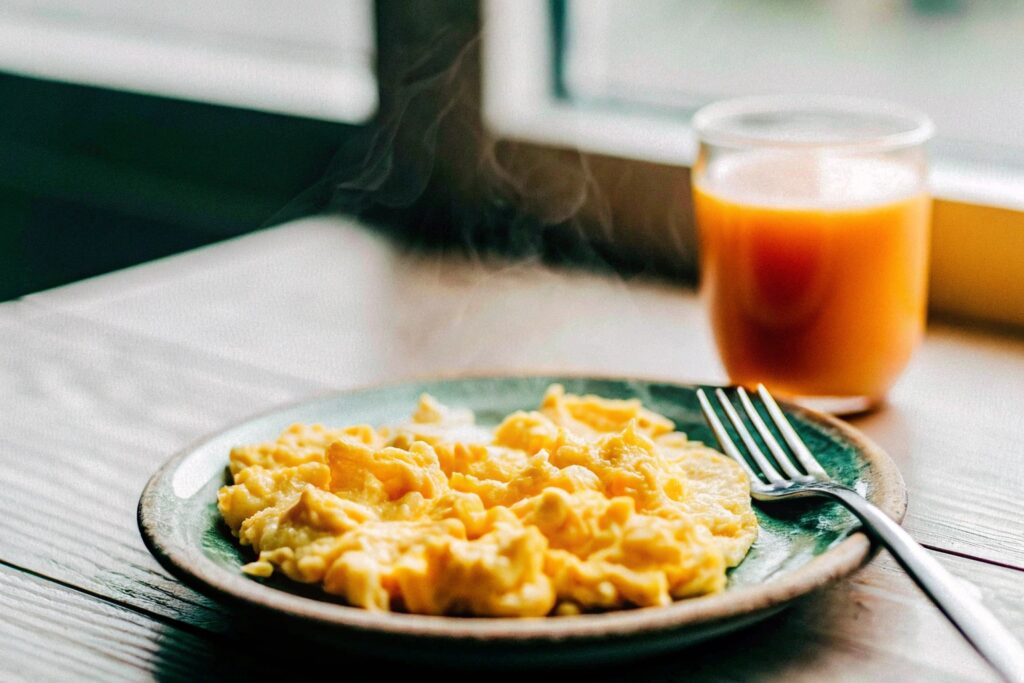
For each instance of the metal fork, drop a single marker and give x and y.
(805, 478)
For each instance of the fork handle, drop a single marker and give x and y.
(979, 626)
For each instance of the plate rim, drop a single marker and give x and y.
(835, 563)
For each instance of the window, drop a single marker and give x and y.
(311, 58)
(637, 75)
(619, 80)
(959, 61)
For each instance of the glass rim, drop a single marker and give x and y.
(708, 122)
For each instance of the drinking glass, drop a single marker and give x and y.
(814, 219)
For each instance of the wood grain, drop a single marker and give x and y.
(50, 632)
(876, 627)
(342, 306)
(111, 376)
(97, 412)
(954, 428)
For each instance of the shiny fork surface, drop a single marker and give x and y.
(793, 472)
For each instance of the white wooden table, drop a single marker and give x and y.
(104, 379)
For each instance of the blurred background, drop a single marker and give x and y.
(554, 129)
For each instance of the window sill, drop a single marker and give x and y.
(978, 225)
(978, 222)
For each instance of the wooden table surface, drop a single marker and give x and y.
(103, 380)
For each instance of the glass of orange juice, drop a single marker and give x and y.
(814, 218)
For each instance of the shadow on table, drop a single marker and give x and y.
(254, 650)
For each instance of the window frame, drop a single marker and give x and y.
(978, 220)
(161, 174)
(75, 53)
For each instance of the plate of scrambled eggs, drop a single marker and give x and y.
(518, 518)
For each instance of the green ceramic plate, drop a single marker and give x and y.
(799, 548)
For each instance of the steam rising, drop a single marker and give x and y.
(434, 178)
(439, 180)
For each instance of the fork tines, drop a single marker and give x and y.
(763, 464)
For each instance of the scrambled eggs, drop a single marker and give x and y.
(587, 503)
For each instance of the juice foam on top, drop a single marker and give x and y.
(805, 180)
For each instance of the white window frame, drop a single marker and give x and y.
(518, 103)
(48, 49)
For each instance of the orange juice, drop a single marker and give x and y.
(814, 270)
